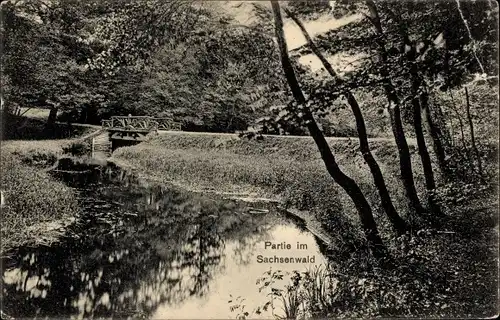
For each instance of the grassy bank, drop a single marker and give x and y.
(36, 206)
(286, 169)
(446, 272)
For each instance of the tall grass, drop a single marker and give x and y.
(310, 294)
(31, 198)
(286, 169)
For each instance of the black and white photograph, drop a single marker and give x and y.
(300, 159)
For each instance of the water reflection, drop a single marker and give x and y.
(145, 251)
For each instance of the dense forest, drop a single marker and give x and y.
(204, 65)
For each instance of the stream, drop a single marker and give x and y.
(144, 250)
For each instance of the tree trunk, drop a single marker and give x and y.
(422, 147)
(51, 121)
(441, 124)
(460, 121)
(472, 136)
(398, 223)
(405, 164)
(435, 134)
(452, 134)
(92, 114)
(430, 182)
(416, 87)
(348, 184)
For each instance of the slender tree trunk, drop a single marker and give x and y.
(460, 121)
(471, 39)
(430, 182)
(348, 184)
(416, 87)
(405, 164)
(441, 124)
(452, 134)
(424, 153)
(92, 114)
(435, 134)
(398, 223)
(472, 136)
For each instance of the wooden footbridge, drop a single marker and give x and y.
(120, 131)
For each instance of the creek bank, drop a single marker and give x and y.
(37, 207)
(154, 239)
(288, 171)
(302, 217)
(72, 165)
(46, 232)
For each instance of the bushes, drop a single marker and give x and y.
(32, 197)
(38, 158)
(77, 148)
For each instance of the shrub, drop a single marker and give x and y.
(78, 148)
(38, 158)
(24, 128)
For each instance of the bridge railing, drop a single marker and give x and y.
(107, 123)
(140, 123)
(168, 124)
